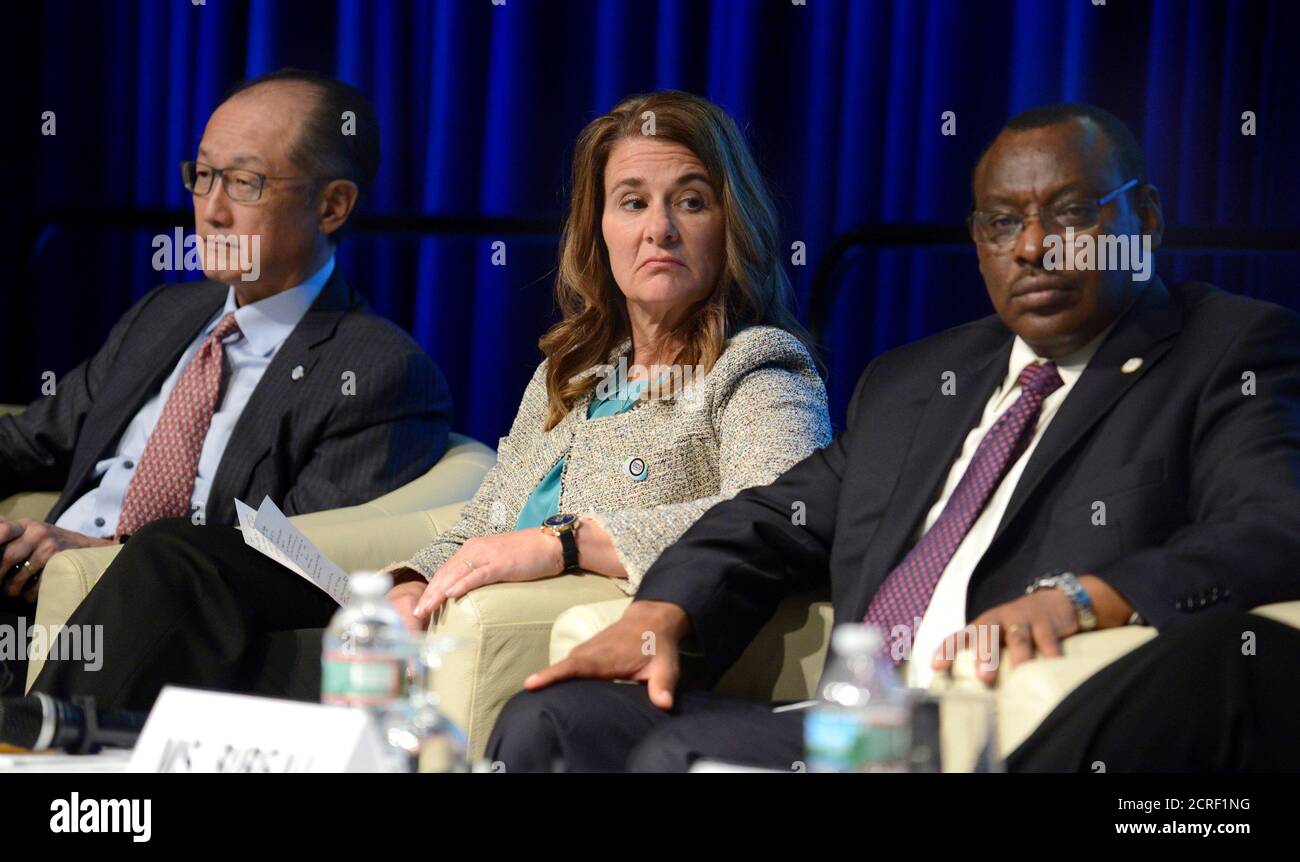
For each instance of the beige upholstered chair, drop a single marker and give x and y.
(785, 660)
(511, 630)
(368, 536)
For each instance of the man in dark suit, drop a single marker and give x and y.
(1130, 452)
(271, 378)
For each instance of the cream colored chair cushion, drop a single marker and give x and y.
(1028, 694)
(505, 632)
(454, 479)
(367, 536)
(359, 545)
(782, 663)
(785, 660)
(35, 505)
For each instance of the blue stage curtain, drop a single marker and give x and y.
(480, 104)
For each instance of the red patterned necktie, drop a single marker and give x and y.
(906, 592)
(164, 478)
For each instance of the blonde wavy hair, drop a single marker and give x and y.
(752, 286)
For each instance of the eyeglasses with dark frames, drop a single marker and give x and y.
(1003, 227)
(239, 184)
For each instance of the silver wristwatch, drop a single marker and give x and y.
(1068, 583)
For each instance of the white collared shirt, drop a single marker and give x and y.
(263, 327)
(946, 612)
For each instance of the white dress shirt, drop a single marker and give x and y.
(946, 612)
(263, 327)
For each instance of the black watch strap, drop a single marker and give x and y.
(569, 545)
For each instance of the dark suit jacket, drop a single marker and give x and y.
(1201, 482)
(303, 442)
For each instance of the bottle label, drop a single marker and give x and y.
(360, 680)
(844, 741)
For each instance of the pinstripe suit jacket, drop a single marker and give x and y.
(305, 442)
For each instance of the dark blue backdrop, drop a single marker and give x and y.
(480, 104)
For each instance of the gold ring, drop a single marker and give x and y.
(1013, 629)
(469, 565)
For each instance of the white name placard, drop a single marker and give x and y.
(204, 731)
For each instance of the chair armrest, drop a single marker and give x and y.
(365, 544)
(373, 543)
(782, 663)
(580, 623)
(66, 579)
(785, 659)
(30, 504)
(1283, 612)
(1028, 694)
(454, 479)
(505, 630)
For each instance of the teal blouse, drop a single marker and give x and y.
(545, 499)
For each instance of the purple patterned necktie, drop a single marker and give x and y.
(905, 594)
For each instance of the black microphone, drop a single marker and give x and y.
(38, 722)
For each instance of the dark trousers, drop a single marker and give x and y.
(193, 605)
(16, 615)
(595, 726)
(1220, 694)
(1189, 700)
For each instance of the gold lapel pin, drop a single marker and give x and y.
(1130, 365)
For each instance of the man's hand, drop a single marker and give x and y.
(1034, 624)
(1038, 621)
(522, 555)
(641, 646)
(28, 546)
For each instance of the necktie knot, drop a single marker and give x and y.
(225, 327)
(1040, 379)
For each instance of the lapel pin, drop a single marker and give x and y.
(636, 469)
(297, 372)
(1130, 365)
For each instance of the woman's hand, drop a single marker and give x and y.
(524, 555)
(408, 587)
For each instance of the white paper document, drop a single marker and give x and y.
(269, 532)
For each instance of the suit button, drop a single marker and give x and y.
(1203, 601)
(1178, 605)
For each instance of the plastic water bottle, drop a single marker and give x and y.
(366, 648)
(861, 720)
(420, 737)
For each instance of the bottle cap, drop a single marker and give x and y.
(856, 638)
(371, 584)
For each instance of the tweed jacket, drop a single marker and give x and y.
(760, 410)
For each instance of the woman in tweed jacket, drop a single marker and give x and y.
(670, 279)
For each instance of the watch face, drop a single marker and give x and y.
(559, 520)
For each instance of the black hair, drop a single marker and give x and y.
(1124, 147)
(321, 148)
